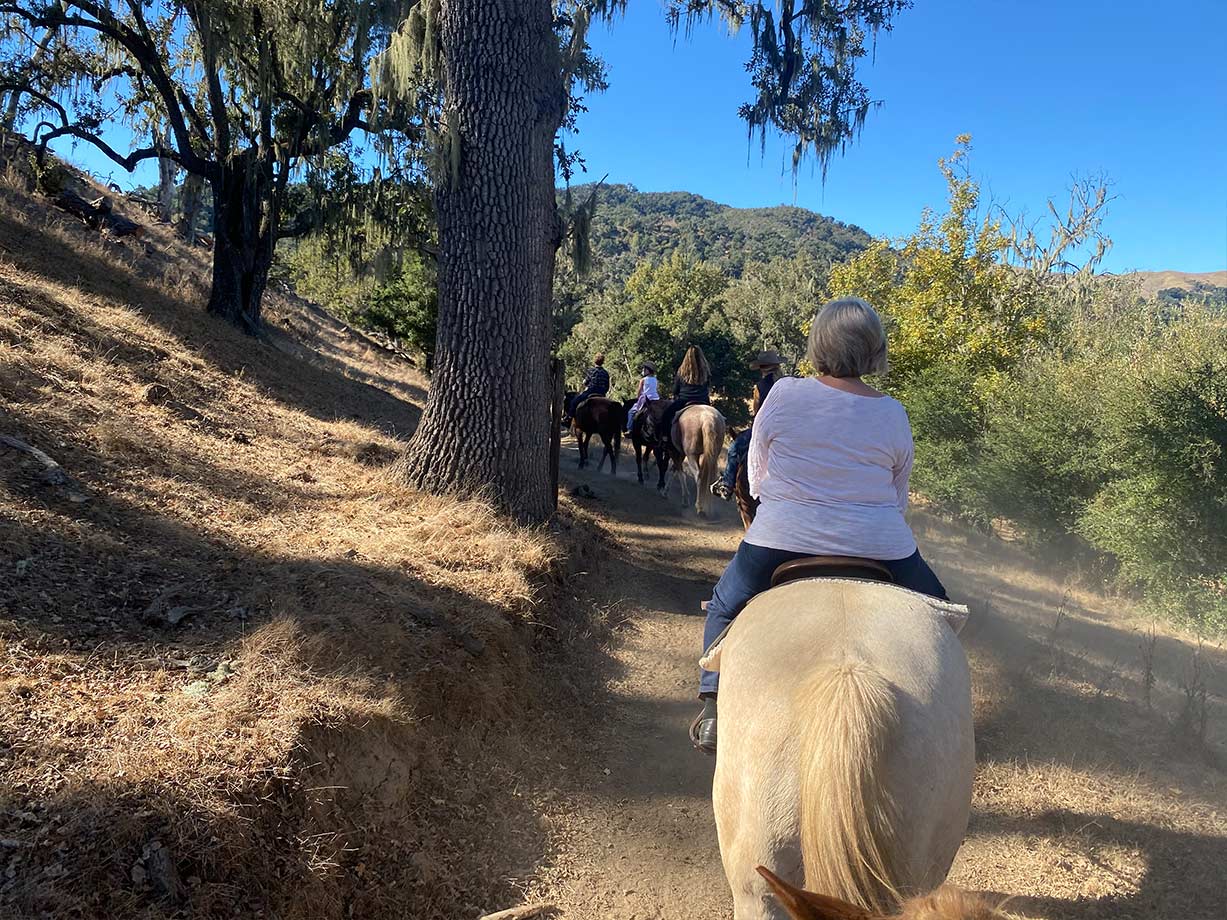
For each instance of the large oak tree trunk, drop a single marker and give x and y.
(486, 423)
(244, 222)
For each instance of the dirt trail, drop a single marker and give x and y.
(645, 845)
(1086, 806)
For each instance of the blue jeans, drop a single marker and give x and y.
(737, 456)
(749, 573)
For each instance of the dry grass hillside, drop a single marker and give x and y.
(1152, 283)
(243, 672)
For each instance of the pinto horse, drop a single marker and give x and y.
(694, 447)
(605, 418)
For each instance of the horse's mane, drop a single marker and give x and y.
(950, 903)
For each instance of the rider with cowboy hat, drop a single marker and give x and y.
(768, 365)
(648, 392)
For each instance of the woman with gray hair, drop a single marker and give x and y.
(829, 461)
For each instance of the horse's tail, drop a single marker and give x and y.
(709, 463)
(620, 414)
(848, 840)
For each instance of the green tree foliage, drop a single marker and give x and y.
(1161, 436)
(771, 303)
(682, 292)
(629, 226)
(1211, 295)
(662, 309)
(653, 317)
(1059, 401)
(948, 289)
(407, 309)
(247, 91)
(356, 261)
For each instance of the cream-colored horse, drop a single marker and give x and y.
(695, 453)
(846, 750)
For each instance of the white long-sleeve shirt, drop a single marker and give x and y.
(831, 469)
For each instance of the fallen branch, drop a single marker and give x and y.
(98, 214)
(53, 474)
(520, 913)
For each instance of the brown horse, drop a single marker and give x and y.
(747, 504)
(643, 437)
(946, 903)
(605, 418)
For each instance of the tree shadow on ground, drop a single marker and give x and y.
(1182, 876)
(435, 813)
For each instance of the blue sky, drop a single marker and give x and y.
(1131, 89)
(1136, 90)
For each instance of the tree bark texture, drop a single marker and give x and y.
(244, 230)
(191, 202)
(558, 383)
(168, 171)
(486, 423)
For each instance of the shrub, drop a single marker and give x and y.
(1039, 461)
(947, 416)
(406, 310)
(1163, 440)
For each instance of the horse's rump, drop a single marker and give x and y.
(598, 414)
(604, 417)
(698, 435)
(840, 701)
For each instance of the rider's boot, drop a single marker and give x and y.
(703, 728)
(721, 489)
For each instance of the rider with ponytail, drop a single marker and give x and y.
(691, 387)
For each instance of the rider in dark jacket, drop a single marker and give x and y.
(768, 365)
(596, 383)
(691, 387)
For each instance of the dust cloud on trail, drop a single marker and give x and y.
(1086, 806)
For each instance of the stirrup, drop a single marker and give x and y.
(709, 749)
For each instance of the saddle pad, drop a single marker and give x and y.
(955, 616)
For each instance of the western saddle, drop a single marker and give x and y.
(831, 567)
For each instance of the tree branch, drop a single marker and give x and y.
(217, 99)
(128, 162)
(141, 50)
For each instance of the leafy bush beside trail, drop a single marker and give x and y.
(1064, 403)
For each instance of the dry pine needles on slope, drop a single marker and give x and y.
(243, 670)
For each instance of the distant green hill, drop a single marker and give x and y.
(630, 226)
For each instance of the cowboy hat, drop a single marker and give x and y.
(648, 366)
(767, 359)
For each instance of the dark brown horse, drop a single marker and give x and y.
(643, 437)
(604, 417)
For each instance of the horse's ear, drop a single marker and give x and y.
(805, 905)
